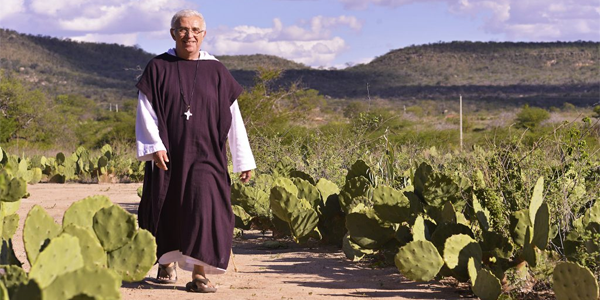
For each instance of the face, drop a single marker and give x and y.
(187, 43)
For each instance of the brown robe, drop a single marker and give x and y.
(188, 207)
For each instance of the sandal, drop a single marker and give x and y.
(202, 287)
(167, 274)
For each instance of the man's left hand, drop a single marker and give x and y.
(245, 176)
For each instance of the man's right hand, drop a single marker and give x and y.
(160, 159)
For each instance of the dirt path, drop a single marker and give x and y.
(295, 272)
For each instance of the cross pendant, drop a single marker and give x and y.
(188, 114)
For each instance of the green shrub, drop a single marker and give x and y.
(531, 117)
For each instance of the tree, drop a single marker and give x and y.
(531, 117)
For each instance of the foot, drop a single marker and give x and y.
(167, 273)
(200, 284)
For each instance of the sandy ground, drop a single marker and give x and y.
(292, 272)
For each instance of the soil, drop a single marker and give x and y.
(289, 272)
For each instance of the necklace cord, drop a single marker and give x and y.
(193, 84)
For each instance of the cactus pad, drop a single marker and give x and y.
(13, 277)
(92, 252)
(133, 261)
(487, 286)
(87, 281)
(353, 251)
(10, 225)
(307, 191)
(541, 227)
(571, 281)
(366, 229)
(39, 226)
(519, 221)
(419, 261)
(62, 255)
(457, 251)
(114, 227)
(419, 230)
(82, 212)
(444, 231)
(391, 205)
(482, 214)
(537, 198)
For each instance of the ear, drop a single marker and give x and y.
(204, 34)
(172, 31)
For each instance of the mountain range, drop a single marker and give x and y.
(542, 74)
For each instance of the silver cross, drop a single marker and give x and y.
(188, 114)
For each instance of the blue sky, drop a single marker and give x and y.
(318, 33)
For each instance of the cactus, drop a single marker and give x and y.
(419, 230)
(537, 198)
(242, 218)
(496, 245)
(457, 251)
(101, 282)
(62, 255)
(29, 290)
(327, 188)
(297, 212)
(571, 281)
(361, 169)
(142, 248)
(353, 251)
(12, 277)
(38, 228)
(82, 212)
(355, 187)
(308, 191)
(301, 175)
(519, 221)
(444, 231)
(9, 226)
(92, 252)
(482, 214)
(391, 205)
(419, 261)
(448, 213)
(366, 229)
(486, 286)
(541, 227)
(11, 189)
(114, 227)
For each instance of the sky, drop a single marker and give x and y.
(317, 33)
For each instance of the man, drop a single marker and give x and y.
(187, 111)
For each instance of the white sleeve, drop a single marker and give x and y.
(241, 154)
(146, 130)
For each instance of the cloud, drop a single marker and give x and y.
(128, 39)
(11, 7)
(311, 42)
(90, 20)
(534, 20)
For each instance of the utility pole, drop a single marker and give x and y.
(461, 122)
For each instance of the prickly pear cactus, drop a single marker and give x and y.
(308, 191)
(102, 282)
(114, 227)
(574, 282)
(537, 198)
(62, 255)
(12, 277)
(366, 229)
(39, 227)
(9, 226)
(419, 261)
(354, 188)
(519, 221)
(11, 189)
(391, 205)
(353, 251)
(142, 248)
(487, 286)
(419, 230)
(457, 251)
(482, 214)
(92, 252)
(81, 213)
(541, 227)
(444, 231)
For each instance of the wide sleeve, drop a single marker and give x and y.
(241, 154)
(147, 135)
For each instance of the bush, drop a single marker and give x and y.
(531, 117)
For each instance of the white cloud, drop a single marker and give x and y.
(11, 7)
(311, 43)
(534, 20)
(128, 39)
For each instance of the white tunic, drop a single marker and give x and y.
(148, 142)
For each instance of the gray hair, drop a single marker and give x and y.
(187, 13)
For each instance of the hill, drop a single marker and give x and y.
(539, 73)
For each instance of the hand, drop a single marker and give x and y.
(245, 176)
(161, 159)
